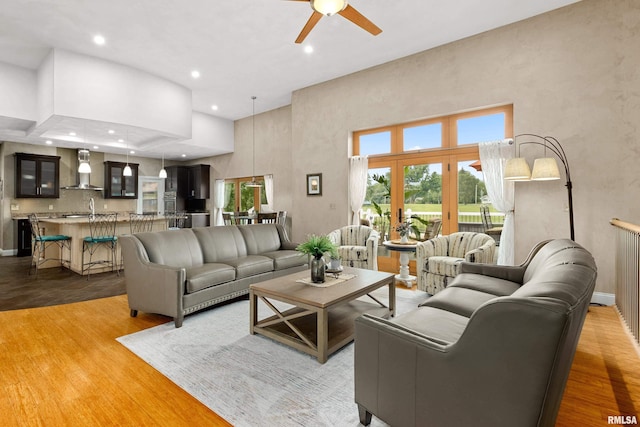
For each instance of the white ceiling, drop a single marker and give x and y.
(242, 47)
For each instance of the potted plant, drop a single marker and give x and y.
(317, 246)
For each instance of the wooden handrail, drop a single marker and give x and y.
(625, 225)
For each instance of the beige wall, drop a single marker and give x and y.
(571, 74)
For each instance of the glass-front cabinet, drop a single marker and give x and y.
(118, 186)
(37, 176)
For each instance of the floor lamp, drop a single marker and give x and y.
(544, 169)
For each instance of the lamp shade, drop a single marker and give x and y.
(517, 169)
(127, 170)
(545, 169)
(328, 7)
(163, 173)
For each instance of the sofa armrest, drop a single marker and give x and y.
(334, 237)
(511, 273)
(152, 288)
(372, 249)
(483, 254)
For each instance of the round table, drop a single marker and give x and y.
(404, 249)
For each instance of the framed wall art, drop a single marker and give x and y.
(314, 184)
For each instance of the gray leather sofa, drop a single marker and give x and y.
(492, 349)
(178, 272)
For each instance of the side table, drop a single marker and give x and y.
(404, 249)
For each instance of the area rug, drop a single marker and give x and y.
(251, 380)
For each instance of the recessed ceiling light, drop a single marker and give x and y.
(48, 142)
(195, 74)
(111, 131)
(184, 155)
(95, 147)
(214, 107)
(99, 40)
(308, 49)
(132, 152)
(72, 134)
(121, 140)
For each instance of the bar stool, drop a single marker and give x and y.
(141, 223)
(40, 242)
(103, 234)
(175, 220)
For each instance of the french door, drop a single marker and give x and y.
(421, 187)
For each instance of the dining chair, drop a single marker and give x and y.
(40, 242)
(241, 217)
(141, 223)
(267, 217)
(227, 218)
(103, 235)
(489, 229)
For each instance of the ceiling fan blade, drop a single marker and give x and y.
(359, 19)
(313, 20)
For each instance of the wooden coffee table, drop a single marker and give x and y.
(322, 319)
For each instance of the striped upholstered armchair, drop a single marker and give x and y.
(438, 259)
(357, 246)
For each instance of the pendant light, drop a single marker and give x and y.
(127, 169)
(83, 156)
(163, 171)
(253, 183)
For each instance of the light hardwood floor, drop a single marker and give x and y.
(61, 365)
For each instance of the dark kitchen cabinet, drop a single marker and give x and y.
(24, 237)
(188, 182)
(176, 180)
(198, 182)
(37, 176)
(118, 186)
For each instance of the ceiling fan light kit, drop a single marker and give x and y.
(331, 7)
(328, 7)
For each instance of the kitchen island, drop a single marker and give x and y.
(78, 228)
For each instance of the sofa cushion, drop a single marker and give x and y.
(284, 259)
(443, 265)
(560, 282)
(261, 238)
(482, 283)
(175, 248)
(251, 265)
(208, 275)
(441, 325)
(219, 244)
(460, 301)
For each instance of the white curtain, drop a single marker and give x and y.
(219, 201)
(268, 189)
(493, 157)
(358, 169)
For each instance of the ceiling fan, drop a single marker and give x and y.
(331, 7)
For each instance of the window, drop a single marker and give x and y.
(239, 197)
(429, 170)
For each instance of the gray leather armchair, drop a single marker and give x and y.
(492, 349)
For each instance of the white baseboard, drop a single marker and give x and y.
(604, 299)
(9, 252)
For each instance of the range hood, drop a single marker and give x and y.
(82, 179)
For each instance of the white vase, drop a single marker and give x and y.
(404, 239)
